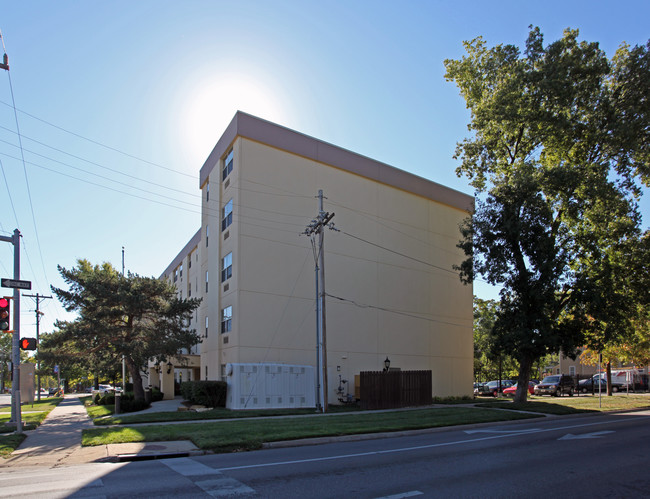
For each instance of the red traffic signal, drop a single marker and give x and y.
(28, 344)
(5, 305)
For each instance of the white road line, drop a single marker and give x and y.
(429, 446)
(217, 485)
(188, 467)
(404, 494)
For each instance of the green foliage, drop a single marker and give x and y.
(560, 143)
(203, 392)
(131, 317)
(156, 395)
(128, 403)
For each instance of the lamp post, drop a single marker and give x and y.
(386, 364)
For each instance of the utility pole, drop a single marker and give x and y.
(15, 343)
(316, 227)
(38, 321)
(123, 362)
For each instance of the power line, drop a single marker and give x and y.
(90, 162)
(22, 154)
(2, 167)
(100, 144)
(400, 254)
(392, 311)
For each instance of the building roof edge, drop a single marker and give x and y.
(280, 137)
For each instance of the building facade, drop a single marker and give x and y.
(391, 291)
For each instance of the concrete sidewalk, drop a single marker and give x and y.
(57, 441)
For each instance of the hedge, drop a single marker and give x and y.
(203, 392)
(128, 402)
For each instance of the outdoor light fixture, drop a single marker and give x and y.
(169, 367)
(386, 364)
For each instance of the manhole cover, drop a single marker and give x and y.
(154, 447)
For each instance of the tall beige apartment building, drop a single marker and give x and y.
(391, 288)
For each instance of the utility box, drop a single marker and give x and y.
(270, 386)
(27, 374)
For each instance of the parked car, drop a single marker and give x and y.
(104, 389)
(555, 385)
(492, 387)
(510, 391)
(591, 385)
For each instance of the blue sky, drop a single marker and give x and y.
(146, 88)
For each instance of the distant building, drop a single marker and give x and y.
(391, 288)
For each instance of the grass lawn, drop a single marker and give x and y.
(571, 405)
(252, 433)
(248, 433)
(31, 417)
(218, 413)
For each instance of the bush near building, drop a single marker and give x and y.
(204, 392)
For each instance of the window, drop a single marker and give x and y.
(226, 320)
(226, 215)
(226, 267)
(207, 235)
(207, 191)
(181, 271)
(175, 275)
(206, 327)
(227, 165)
(572, 370)
(206, 372)
(206, 281)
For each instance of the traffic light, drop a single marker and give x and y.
(28, 344)
(5, 305)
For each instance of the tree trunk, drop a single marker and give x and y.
(134, 371)
(523, 379)
(609, 378)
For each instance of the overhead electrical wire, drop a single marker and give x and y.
(2, 167)
(29, 193)
(192, 194)
(398, 312)
(102, 145)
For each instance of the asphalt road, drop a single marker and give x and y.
(578, 456)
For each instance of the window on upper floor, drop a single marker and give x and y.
(206, 281)
(227, 165)
(206, 327)
(207, 235)
(226, 319)
(175, 275)
(226, 267)
(207, 191)
(226, 216)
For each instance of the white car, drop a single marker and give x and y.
(104, 389)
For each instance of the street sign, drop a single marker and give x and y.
(14, 283)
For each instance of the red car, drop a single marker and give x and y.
(510, 392)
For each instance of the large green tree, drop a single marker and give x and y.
(138, 318)
(560, 141)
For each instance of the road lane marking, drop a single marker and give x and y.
(597, 434)
(421, 447)
(530, 430)
(211, 481)
(403, 494)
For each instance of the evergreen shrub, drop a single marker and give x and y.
(204, 392)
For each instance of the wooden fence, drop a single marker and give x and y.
(393, 389)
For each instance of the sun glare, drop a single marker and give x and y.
(213, 102)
